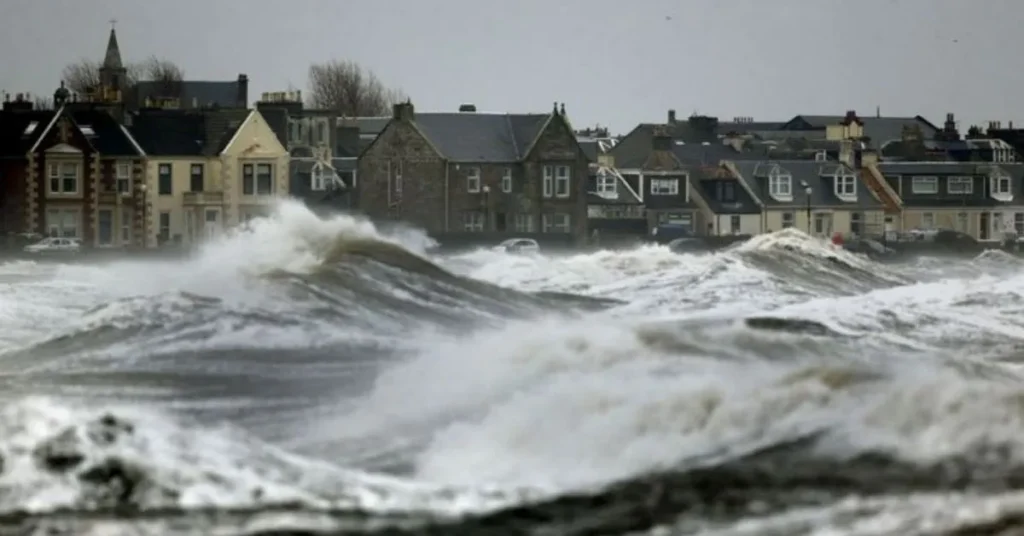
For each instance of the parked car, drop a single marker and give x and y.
(55, 246)
(520, 245)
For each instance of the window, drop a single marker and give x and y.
(556, 181)
(123, 174)
(725, 191)
(506, 180)
(63, 222)
(928, 220)
(924, 185)
(787, 219)
(607, 184)
(257, 179)
(196, 178)
(317, 180)
(473, 180)
(63, 178)
(734, 224)
(664, 186)
(524, 223)
(320, 137)
(126, 227)
(780, 184)
(562, 181)
(556, 223)
(395, 182)
(961, 222)
(164, 183)
(165, 227)
(846, 185)
(1018, 223)
(856, 223)
(960, 185)
(473, 221)
(1001, 184)
(820, 156)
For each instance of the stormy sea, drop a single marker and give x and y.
(313, 376)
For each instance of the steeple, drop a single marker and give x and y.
(113, 75)
(112, 59)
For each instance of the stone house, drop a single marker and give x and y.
(462, 173)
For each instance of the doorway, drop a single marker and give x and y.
(499, 222)
(105, 231)
(984, 226)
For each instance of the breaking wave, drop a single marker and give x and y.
(322, 375)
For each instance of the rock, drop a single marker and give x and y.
(60, 453)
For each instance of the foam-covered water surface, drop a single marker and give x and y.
(324, 375)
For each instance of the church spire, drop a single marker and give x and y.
(112, 59)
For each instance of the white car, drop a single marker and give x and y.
(53, 245)
(520, 245)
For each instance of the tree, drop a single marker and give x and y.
(347, 88)
(84, 74)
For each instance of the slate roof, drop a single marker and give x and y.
(816, 174)
(950, 168)
(879, 129)
(732, 127)
(109, 138)
(709, 187)
(481, 137)
(369, 128)
(13, 141)
(186, 132)
(632, 151)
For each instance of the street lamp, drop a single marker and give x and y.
(808, 191)
(487, 207)
(145, 237)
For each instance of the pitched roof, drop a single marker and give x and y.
(481, 137)
(712, 188)
(105, 134)
(633, 150)
(16, 138)
(186, 132)
(169, 132)
(818, 175)
(879, 129)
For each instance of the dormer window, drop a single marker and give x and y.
(820, 156)
(999, 184)
(845, 185)
(607, 184)
(960, 185)
(780, 184)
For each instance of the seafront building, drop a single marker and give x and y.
(150, 164)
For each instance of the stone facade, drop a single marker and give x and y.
(404, 176)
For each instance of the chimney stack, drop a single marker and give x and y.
(467, 108)
(671, 117)
(242, 97)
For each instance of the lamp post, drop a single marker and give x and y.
(807, 195)
(487, 207)
(144, 200)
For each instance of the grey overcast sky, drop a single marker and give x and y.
(612, 62)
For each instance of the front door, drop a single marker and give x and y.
(499, 222)
(211, 222)
(105, 232)
(984, 226)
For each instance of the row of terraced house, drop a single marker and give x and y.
(146, 165)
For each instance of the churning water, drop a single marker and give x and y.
(320, 377)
